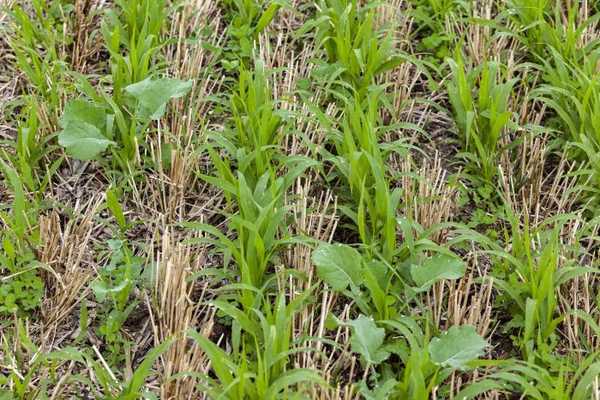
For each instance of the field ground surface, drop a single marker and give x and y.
(290, 199)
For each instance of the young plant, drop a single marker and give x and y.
(360, 160)
(427, 362)
(376, 286)
(530, 276)
(353, 43)
(131, 388)
(547, 26)
(572, 91)
(432, 17)
(39, 46)
(30, 149)
(248, 19)
(120, 120)
(131, 34)
(255, 183)
(256, 130)
(531, 381)
(21, 287)
(30, 372)
(115, 283)
(257, 365)
(90, 128)
(480, 99)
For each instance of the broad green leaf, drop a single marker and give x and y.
(82, 140)
(83, 111)
(456, 347)
(367, 340)
(338, 265)
(381, 391)
(153, 95)
(435, 269)
(102, 290)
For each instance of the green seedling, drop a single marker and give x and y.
(547, 26)
(90, 128)
(257, 366)
(254, 177)
(427, 361)
(480, 100)
(39, 47)
(21, 288)
(256, 130)
(132, 37)
(530, 277)
(113, 290)
(353, 44)
(248, 19)
(30, 150)
(25, 363)
(432, 17)
(534, 382)
(573, 92)
(360, 160)
(376, 286)
(120, 120)
(128, 388)
(259, 226)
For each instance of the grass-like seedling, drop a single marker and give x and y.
(480, 99)
(547, 26)
(432, 20)
(535, 382)
(254, 178)
(39, 49)
(361, 161)
(256, 130)
(248, 19)
(132, 36)
(256, 367)
(572, 91)
(530, 277)
(21, 287)
(353, 42)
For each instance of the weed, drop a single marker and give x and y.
(249, 18)
(39, 48)
(256, 368)
(21, 287)
(360, 160)
(427, 361)
(353, 44)
(432, 19)
(480, 100)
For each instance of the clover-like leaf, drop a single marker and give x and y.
(338, 265)
(367, 340)
(435, 269)
(456, 347)
(154, 94)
